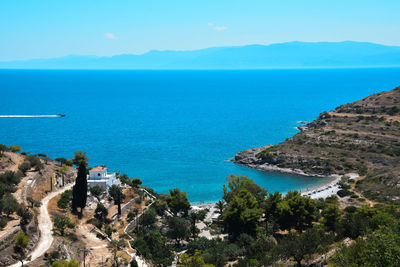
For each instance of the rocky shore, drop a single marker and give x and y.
(250, 159)
(360, 137)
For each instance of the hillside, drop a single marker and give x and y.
(281, 55)
(362, 137)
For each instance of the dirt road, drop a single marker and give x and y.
(45, 227)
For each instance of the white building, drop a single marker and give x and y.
(99, 176)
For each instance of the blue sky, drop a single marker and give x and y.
(54, 28)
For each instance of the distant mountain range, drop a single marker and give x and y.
(282, 55)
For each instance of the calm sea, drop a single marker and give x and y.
(175, 129)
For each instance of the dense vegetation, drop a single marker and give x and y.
(263, 229)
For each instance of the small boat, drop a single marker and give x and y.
(61, 115)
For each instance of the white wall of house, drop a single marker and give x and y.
(97, 175)
(102, 179)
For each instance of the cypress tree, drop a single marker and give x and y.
(79, 191)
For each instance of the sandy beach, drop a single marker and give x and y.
(329, 189)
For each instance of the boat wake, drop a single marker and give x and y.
(32, 116)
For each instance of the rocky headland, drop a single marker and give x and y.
(360, 137)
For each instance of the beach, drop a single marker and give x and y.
(329, 189)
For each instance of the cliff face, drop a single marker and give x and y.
(362, 137)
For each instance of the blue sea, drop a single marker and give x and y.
(176, 129)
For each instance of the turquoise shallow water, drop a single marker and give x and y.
(176, 128)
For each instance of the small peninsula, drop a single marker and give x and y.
(360, 137)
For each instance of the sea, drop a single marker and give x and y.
(177, 128)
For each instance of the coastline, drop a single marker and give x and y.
(248, 159)
(273, 168)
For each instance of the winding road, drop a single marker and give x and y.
(45, 227)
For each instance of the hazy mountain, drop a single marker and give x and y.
(283, 55)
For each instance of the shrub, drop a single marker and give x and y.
(66, 197)
(95, 222)
(3, 223)
(344, 193)
(35, 162)
(350, 209)
(24, 167)
(15, 148)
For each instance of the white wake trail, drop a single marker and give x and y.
(29, 116)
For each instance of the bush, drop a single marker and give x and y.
(35, 162)
(344, 193)
(95, 222)
(3, 223)
(350, 209)
(15, 148)
(24, 167)
(131, 216)
(66, 197)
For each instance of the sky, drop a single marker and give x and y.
(55, 28)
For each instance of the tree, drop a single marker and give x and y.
(353, 224)
(24, 167)
(381, 248)
(193, 261)
(33, 202)
(52, 256)
(148, 218)
(21, 242)
(193, 217)
(124, 178)
(238, 182)
(8, 180)
(15, 148)
(178, 229)
(220, 206)
(9, 204)
(96, 191)
(65, 199)
(101, 213)
(35, 162)
(135, 182)
(242, 214)
(79, 191)
(80, 158)
(62, 161)
(201, 215)
(153, 246)
(64, 263)
(109, 230)
(26, 216)
(271, 205)
(296, 211)
(382, 219)
(178, 202)
(331, 216)
(3, 148)
(117, 195)
(61, 223)
(300, 246)
(160, 205)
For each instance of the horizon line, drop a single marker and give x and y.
(191, 50)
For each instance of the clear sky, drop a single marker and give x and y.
(53, 28)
